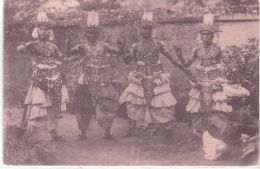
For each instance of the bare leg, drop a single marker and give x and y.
(167, 127)
(83, 108)
(83, 135)
(107, 127)
(83, 123)
(107, 134)
(53, 123)
(196, 124)
(105, 120)
(131, 131)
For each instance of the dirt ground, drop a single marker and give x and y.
(181, 149)
(146, 149)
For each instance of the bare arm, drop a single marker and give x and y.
(168, 56)
(130, 56)
(68, 50)
(122, 51)
(74, 53)
(75, 50)
(229, 64)
(25, 46)
(188, 63)
(112, 50)
(58, 56)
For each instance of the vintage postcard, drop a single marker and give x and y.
(130, 83)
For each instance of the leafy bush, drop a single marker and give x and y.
(25, 149)
(245, 60)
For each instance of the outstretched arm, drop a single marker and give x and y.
(113, 50)
(58, 55)
(25, 46)
(122, 51)
(75, 50)
(168, 56)
(130, 55)
(71, 52)
(178, 53)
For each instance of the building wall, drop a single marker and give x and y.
(17, 67)
(235, 33)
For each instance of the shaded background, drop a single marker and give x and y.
(116, 24)
(238, 21)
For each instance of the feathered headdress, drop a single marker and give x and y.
(42, 20)
(92, 22)
(147, 21)
(208, 25)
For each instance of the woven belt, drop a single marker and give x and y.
(149, 69)
(209, 75)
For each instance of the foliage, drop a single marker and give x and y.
(25, 150)
(22, 12)
(99, 4)
(238, 2)
(245, 60)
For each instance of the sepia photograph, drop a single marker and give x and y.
(130, 83)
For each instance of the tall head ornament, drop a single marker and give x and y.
(92, 22)
(42, 20)
(208, 25)
(147, 21)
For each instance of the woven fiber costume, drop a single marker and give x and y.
(47, 88)
(95, 80)
(208, 66)
(97, 75)
(211, 93)
(148, 96)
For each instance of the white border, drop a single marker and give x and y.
(1, 79)
(2, 166)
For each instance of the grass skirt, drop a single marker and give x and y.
(161, 109)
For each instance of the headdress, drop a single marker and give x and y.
(208, 25)
(92, 22)
(147, 21)
(42, 21)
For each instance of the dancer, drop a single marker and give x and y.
(47, 93)
(212, 90)
(95, 91)
(149, 97)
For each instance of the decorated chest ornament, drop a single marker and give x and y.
(93, 23)
(147, 21)
(42, 20)
(208, 25)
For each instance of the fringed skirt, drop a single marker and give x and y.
(104, 99)
(200, 100)
(157, 107)
(38, 101)
(107, 105)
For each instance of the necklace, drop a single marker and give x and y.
(45, 50)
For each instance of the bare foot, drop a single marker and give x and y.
(108, 137)
(130, 133)
(58, 138)
(59, 116)
(82, 137)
